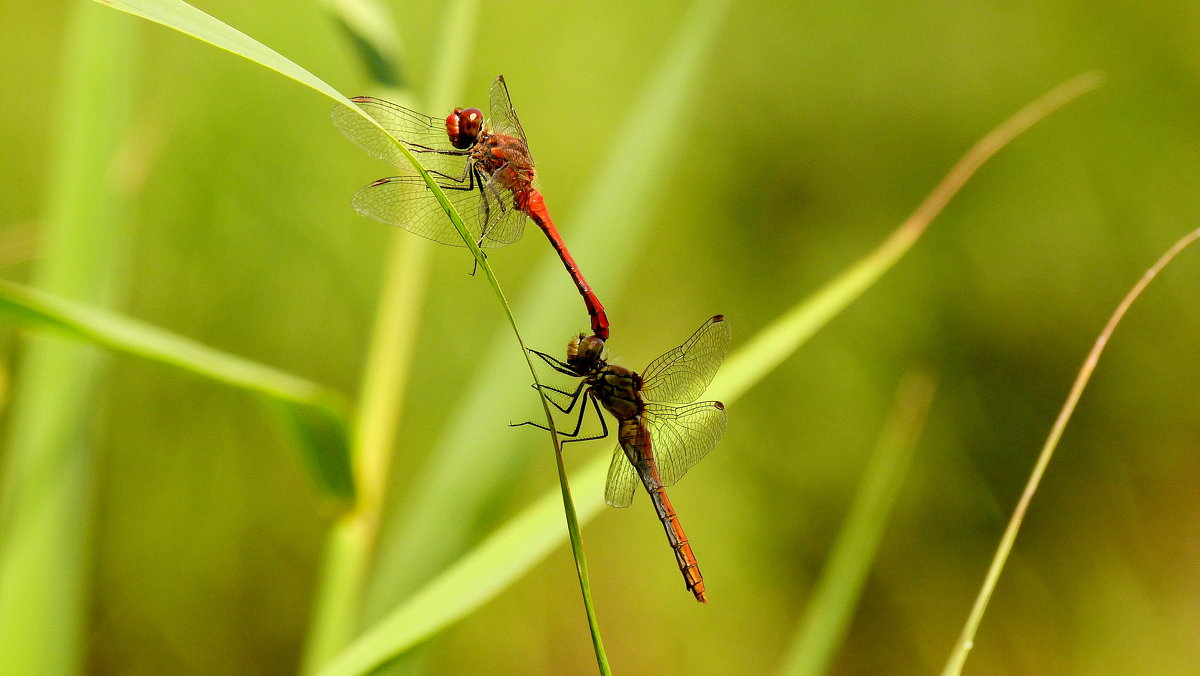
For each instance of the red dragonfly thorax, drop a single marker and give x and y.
(506, 160)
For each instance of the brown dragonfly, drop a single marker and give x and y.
(662, 431)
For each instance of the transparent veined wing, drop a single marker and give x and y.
(423, 135)
(406, 202)
(682, 374)
(682, 435)
(622, 480)
(503, 115)
(498, 209)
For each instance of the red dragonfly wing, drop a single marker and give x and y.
(682, 435)
(424, 136)
(503, 116)
(406, 202)
(681, 375)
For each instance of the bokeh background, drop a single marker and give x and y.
(817, 129)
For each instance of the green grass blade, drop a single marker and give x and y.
(317, 411)
(369, 27)
(966, 640)
(845, 571)
(187, 19)
(46, 495)
(473, 579)
(573, 533)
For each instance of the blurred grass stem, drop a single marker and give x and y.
(966, 640)
(46, 498)
(840, 585)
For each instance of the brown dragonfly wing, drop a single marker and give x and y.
(682, 435)
(682, 374)
(622, 480)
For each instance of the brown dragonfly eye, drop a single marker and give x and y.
(463, 127)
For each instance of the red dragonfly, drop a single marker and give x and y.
(662, 431)
(483, 165)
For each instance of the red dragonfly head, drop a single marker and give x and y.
(463, 127)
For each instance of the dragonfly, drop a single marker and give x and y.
(662, 431)
(482, 164)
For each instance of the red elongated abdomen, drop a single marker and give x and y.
(533, 204)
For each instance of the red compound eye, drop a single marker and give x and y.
(463, 127)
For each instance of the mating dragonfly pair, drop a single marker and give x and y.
(486, 171)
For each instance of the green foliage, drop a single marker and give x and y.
(316, 413)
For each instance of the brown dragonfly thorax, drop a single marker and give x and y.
(617, 388)
(619, 391)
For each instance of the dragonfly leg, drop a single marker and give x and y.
(573, 397)
(555, 364)
(456, 182)
(488, 222)
(421, 149)
(543, 389)
(573, 435)
(474, 182)
(579, 423)
(492, 196)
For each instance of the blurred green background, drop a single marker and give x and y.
(818, 128)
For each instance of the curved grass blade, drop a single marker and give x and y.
(187, 19)
(966, 640)
(191, 21)
(473, 579)
(785, 335)
(319, 410)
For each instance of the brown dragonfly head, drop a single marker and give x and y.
(463, 127)
(585, 354)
